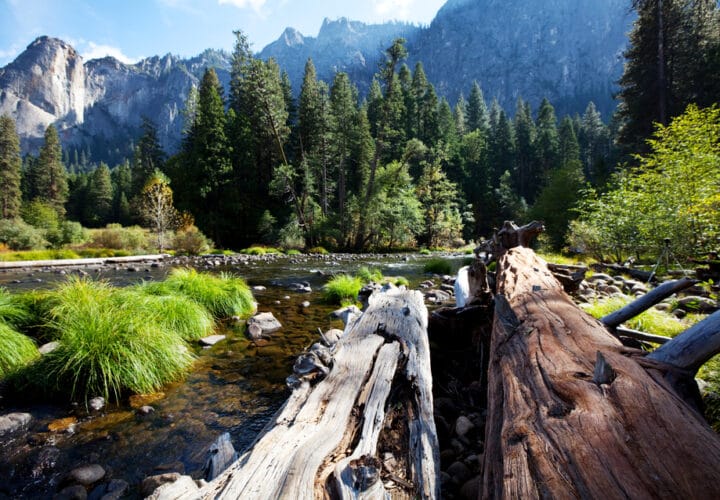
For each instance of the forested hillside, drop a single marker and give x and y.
(403, 167)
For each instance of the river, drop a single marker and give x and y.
(235, 386)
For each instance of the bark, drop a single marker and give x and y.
(570, 408)
(340, 436)
(693, 347)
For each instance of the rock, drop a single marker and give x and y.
(613, 289)
(150, 484)
(463, 425)
(66, 424)
(140, 400)
(662, 306)
(182, 487)
(212, 340)
(74, 492)
(305, 304)
(471, 489)
(49, 347)
(679, 313)
(459, 471)
(87, 474)
(262, 324)
(259, 288)
(97, 403)
(437, 296)
(145, 410)
(695, 303)
(447, 457)
(600, 277)
(302, 287)
(115, 489)
(13, 422)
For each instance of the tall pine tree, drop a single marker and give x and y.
(10, 169)
(50, 176)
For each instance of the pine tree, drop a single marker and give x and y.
(501, 150)
(526, 175)
(10, 169)
(477, 113)
(460, 114)
(546, 142)
(595, 146)
(148, 155)
(99, 199)
(121, 177)
(51, 177)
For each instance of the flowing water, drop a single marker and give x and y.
(235, 386)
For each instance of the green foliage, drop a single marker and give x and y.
(437, 266)
(177, 313)
(10, 169)
(191, 241)
(342, 289)
(317, 250)
(109, 344)
(424, 251)
(401, 281)
(440, 204)
(224, 295)
(156, 207)
(41, 215)
(368, 275)
(673, 193)
(116, 237)
(50, 254)
(50, 177)
(258, 250)
(293, 251)
(16, 350)
(17, 234)
(12, 311)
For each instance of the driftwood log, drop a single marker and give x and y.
(364, 431)
(574, 414)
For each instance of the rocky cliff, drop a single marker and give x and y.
(567, 50)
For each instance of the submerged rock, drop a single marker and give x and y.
(261, 325)
(13, 422)
(87, 474)
(212, 340)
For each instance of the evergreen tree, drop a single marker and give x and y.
(595, 146)
(99, 198)
(10, 169)
(460, 114)
(121, 178)
(50, 174)
(527, 177)
(440, 203)
(148, 155)
(477, 113)
(501, 145)
(546, 142)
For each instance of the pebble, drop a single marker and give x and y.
(459, 471)
(49, 347)
(87, 474)
(305, 304)
(145, 410)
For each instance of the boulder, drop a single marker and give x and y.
(695, 303)
(13, 422)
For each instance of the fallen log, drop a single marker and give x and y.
(638, 274)
(645, 302)
(572, 414)
(693, 347)
(365, 431)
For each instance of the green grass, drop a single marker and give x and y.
(293, 251)
(177, 313)
(13, 310)
(318, 250)
(258, 250)
(342, 289)
(109, 344)
(16, 350)
(38, 255)
(224, 295)
(368, 275)
(437, 266)
(400, 281)
(100, 253)
(424, 251)
(562, 259)
(650, 321)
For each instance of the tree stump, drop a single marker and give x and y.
(365, 430)
(573, 414)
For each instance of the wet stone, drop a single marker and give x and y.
(212, 340)
(87, 474)
(151, 483)
(13, 422)
(74, 492)
(49, 347)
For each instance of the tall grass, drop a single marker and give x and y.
(437, 266)
(12, 310)
(16, 350)
(342, 289)
(224, 295)
(179, 314)
(109, 344)
(39, 255)
(368, 275)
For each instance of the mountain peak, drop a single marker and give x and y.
(292, 37)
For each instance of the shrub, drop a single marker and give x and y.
(40, 215)
(19, 235)
(116, 237)
(437, 266)
(224, 296)
(342, 288)
(191, 241)
(318, 250)
(401, 281)
(258, 250)
(16, 350)
(424, 251)
(109, 344)
(293, 251)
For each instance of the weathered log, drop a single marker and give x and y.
(648, 300)
(331, 438)
(637, 274)
(569, 276)
(693, 347)
(641, 336)
(509, 236)
(561, 426)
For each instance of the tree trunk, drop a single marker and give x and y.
(364, 431)
(572, 414)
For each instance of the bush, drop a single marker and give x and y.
(318, 250)
(342, 289)
(437, 266)
(19, 235)
(224, 296)
(191, 241)
(40, 215)
(116, 237)
(258, 250)
(424, 251)
(16, 350)
(401, 281)
(293, 251)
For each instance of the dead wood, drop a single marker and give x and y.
(332, 439)
(571, 415)
(693, 347)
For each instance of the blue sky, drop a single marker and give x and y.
(133, 29)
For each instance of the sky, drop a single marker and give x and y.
(133, 29)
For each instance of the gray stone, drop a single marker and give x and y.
(115, 489)
(49, 347)
(74, 492)
(152, 483)
(459, 471)
(679, 313)
(600, 277)
(262, 324)
(13, 422)
(259, 288)
(145, 410)
(87, 474)
(694, 303)
(305, 304)
(463, 425)
(212, 340)
(97, 403)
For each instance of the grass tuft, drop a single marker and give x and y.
(16, 350)
(317, 250)
(342, 289)
(368, 275)
(177, 313)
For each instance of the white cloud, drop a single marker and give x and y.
(92, 50)
(256, 5)
(393, 9)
